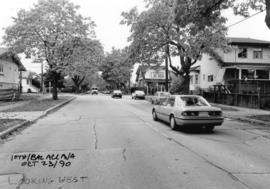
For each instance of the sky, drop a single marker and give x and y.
(107, 16)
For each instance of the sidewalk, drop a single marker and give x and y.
(256, 116)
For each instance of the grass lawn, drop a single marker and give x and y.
(261, 117)
(6, 123)
(38, 104)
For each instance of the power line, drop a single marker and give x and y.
(245, 19)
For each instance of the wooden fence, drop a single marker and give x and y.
(9, 94)
(243, 100)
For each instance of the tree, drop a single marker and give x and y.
(208, 8)
(116, 69)
(176, 85)
(80, 58)
(244, 8)
(156, 34)
(40, 31)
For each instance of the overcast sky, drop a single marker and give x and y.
(107, 16)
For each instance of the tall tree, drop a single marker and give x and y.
(243, 8)
(80, 58)
(40, 31)
(208, 8)
(157, 34)
(116, 69)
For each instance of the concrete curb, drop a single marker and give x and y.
(15, 127)
(29, 122)
(253, 121)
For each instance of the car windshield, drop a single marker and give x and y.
(117, 91)
(194, 101)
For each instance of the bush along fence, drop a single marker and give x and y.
(242, 100)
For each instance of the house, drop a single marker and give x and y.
(10, 73)
(29, 82)
(243, 70)
(152, 78)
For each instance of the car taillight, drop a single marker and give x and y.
(190, 113)
(184, 113)
(215, 113)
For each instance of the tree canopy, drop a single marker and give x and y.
(40, 31)
(156, 34)
(80, 58)
(116, 69)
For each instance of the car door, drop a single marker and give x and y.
(169, 108)
(160, 106)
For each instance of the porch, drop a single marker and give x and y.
(153, 85)
(248, 80)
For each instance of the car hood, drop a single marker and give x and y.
(201, 108)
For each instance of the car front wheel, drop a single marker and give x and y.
(173, 123)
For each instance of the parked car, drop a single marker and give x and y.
(117, 93)
(107, 92)
(94, 91)
(159, 95)
(188, 110)
(138, 95)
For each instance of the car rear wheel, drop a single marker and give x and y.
(209, 128)
(154, 114)
(173, 123)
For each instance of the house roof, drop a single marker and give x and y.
(195, 69)
(248, 41)
(4, 52)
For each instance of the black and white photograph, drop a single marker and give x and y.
(135, 94)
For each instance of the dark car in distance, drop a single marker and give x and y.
(117, 94)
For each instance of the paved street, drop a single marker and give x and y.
(96, 142)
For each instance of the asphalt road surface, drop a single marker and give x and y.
(97, 142)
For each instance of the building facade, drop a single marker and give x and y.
(10, 74)
(27, 82)
(10, 69)
(245, 69)
(152, 78)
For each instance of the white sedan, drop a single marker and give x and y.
(188, 110)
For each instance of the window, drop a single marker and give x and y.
(210, 78)
(196, 79)
(194, 101)
(248, 74)
(158, 75)
(171, 101)
(257, 54)
(262, 74)
(242, 53)
(1, 68)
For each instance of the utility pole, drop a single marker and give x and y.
(166, 70)
(41, 82)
